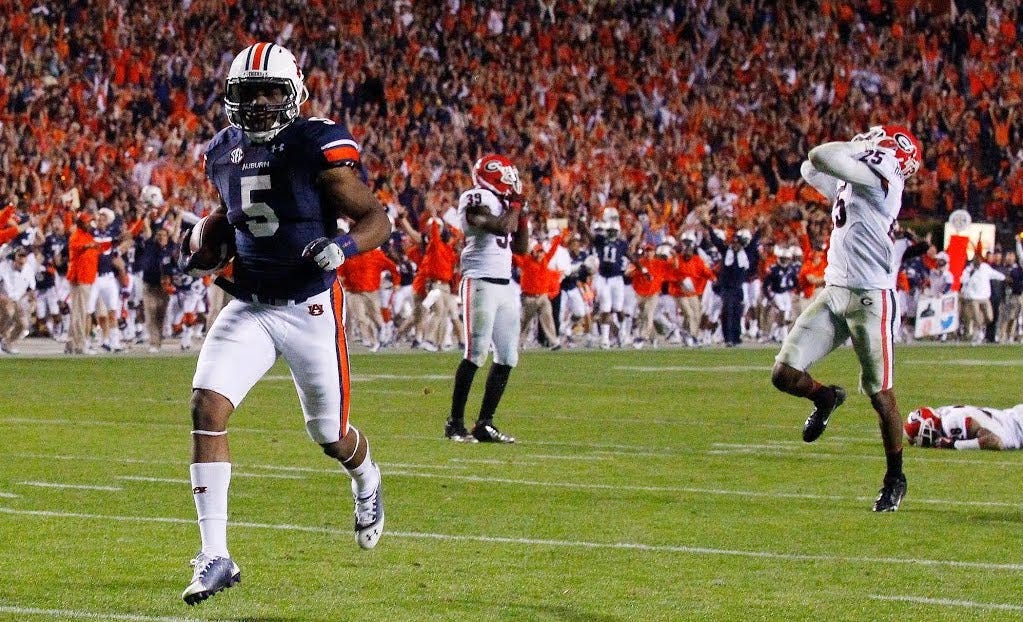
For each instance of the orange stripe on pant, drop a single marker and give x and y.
(337, 300)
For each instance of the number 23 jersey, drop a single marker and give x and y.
(861, 252)
(485, 255)
(274, 202)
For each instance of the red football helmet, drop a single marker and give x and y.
(898, 139)
(497, 174)
(923, 427)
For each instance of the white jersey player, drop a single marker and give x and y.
(864, 179)
(493, 219)
(966, 427)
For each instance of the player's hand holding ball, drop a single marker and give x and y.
(945, 442)
(325, 253)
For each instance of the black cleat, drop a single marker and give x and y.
(891, 494)
(487, 433)
(458, 433)
(818, 419)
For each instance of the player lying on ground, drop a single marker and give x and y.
(966, 427)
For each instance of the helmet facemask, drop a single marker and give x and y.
(263, 120)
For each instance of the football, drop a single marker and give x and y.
(211, 243)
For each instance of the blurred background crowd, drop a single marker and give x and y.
(669, 124)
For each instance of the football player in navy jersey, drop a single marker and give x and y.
(283, 181)
(612, 255)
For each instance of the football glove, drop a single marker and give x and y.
(945, 442)
(325, 253)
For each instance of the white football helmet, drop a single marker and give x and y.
(257, 69)
(152, 196)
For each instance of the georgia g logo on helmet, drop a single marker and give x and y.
(497, 174)
(264, 91)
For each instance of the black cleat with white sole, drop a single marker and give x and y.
(822, 410)
(487, 433)
(892, 492)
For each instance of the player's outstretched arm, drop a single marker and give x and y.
(842, 160)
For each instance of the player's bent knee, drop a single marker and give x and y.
(324, 430)
(210, 410)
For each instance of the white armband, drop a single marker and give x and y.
(973, 443)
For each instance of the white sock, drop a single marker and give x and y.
(605, 332)
(365, 477)
(210, 481)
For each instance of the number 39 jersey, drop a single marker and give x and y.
(273, 201)
(485, 255)
(861, 252)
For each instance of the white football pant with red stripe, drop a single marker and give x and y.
(870, 317)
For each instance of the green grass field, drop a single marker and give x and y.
(668, 485)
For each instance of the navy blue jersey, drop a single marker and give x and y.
(781, 279)
(406, 271)
(612, 255)
(55, 256)
(578, 272)
(273, 201)
(107, 234)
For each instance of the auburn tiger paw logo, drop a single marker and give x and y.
(315, 310)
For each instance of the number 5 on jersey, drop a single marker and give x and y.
(260, 217)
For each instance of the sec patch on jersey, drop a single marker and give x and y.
(211, 244)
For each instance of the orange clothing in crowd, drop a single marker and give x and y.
(440, 258)
(534, 275)
(647, 280)
(694, 269)
(364, 272)
(83, 257)
(8, 233)
(814, 264)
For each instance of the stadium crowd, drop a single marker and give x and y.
(677, 126)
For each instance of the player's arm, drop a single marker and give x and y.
(478, 215)
(845, 161)
(520, 237)
(977, 437)
(822, 182)
(347, 195)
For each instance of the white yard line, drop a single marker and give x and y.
(688, 490)
(402, 470)
(969, 362)
(948, 602)
(171, 480)
(580, 544)
(70, 486)
(156, 480)
(89, 615)
(182, 463)
(716, 369)
(524, 459)
(370, 377)
(8, 495)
